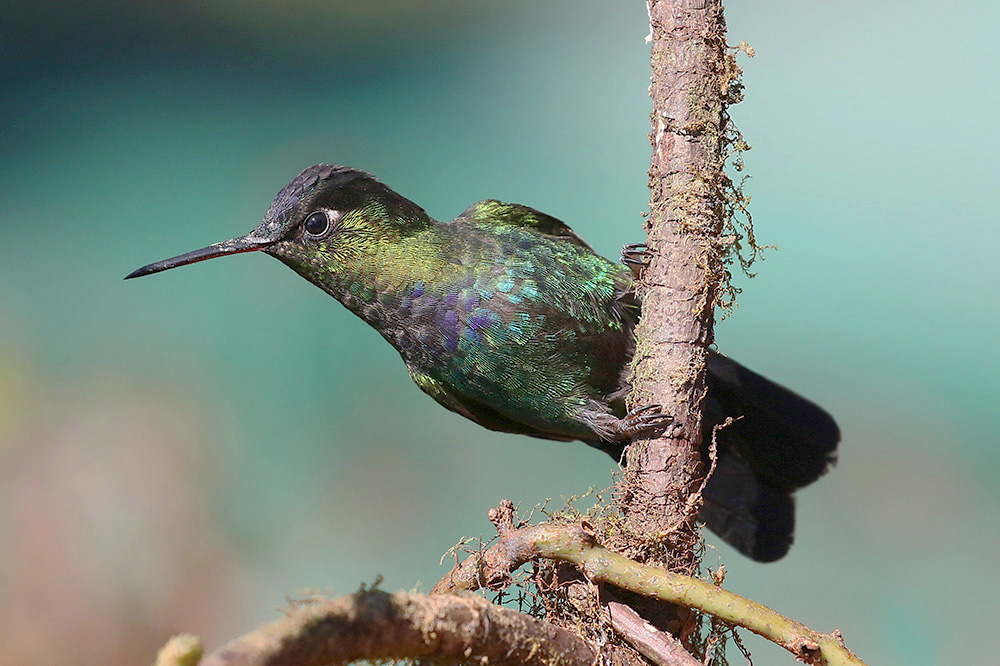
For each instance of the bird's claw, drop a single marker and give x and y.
(642, 421)
(636, 256)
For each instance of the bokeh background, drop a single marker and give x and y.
(180, 453)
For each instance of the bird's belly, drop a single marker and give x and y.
(539, 388)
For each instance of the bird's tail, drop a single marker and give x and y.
(780, 442)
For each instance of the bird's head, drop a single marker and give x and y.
(328, 219)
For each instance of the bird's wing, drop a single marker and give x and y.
(492, 211)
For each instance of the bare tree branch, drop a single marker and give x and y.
(658, 646)
(375, 625)
(678, 288)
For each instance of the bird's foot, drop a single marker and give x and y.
(636, 256)
(641, 421)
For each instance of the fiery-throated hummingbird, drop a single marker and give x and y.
(509, 318)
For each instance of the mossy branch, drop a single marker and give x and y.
(374, 625)
(680, 286)
(575, 543)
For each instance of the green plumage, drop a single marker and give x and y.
(507, 317)
(502, 315)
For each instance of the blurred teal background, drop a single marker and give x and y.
(181, 452)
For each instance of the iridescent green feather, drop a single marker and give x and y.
(504, 315)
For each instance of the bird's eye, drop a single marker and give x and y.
(316, 224)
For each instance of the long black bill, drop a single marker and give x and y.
(248, 243)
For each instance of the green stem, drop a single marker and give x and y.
(601, 565)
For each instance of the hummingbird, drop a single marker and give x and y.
(507, 317)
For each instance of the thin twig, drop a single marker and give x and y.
(659, 647)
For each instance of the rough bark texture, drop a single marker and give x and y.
(657, 646)
(375, 625)
(678, 287)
